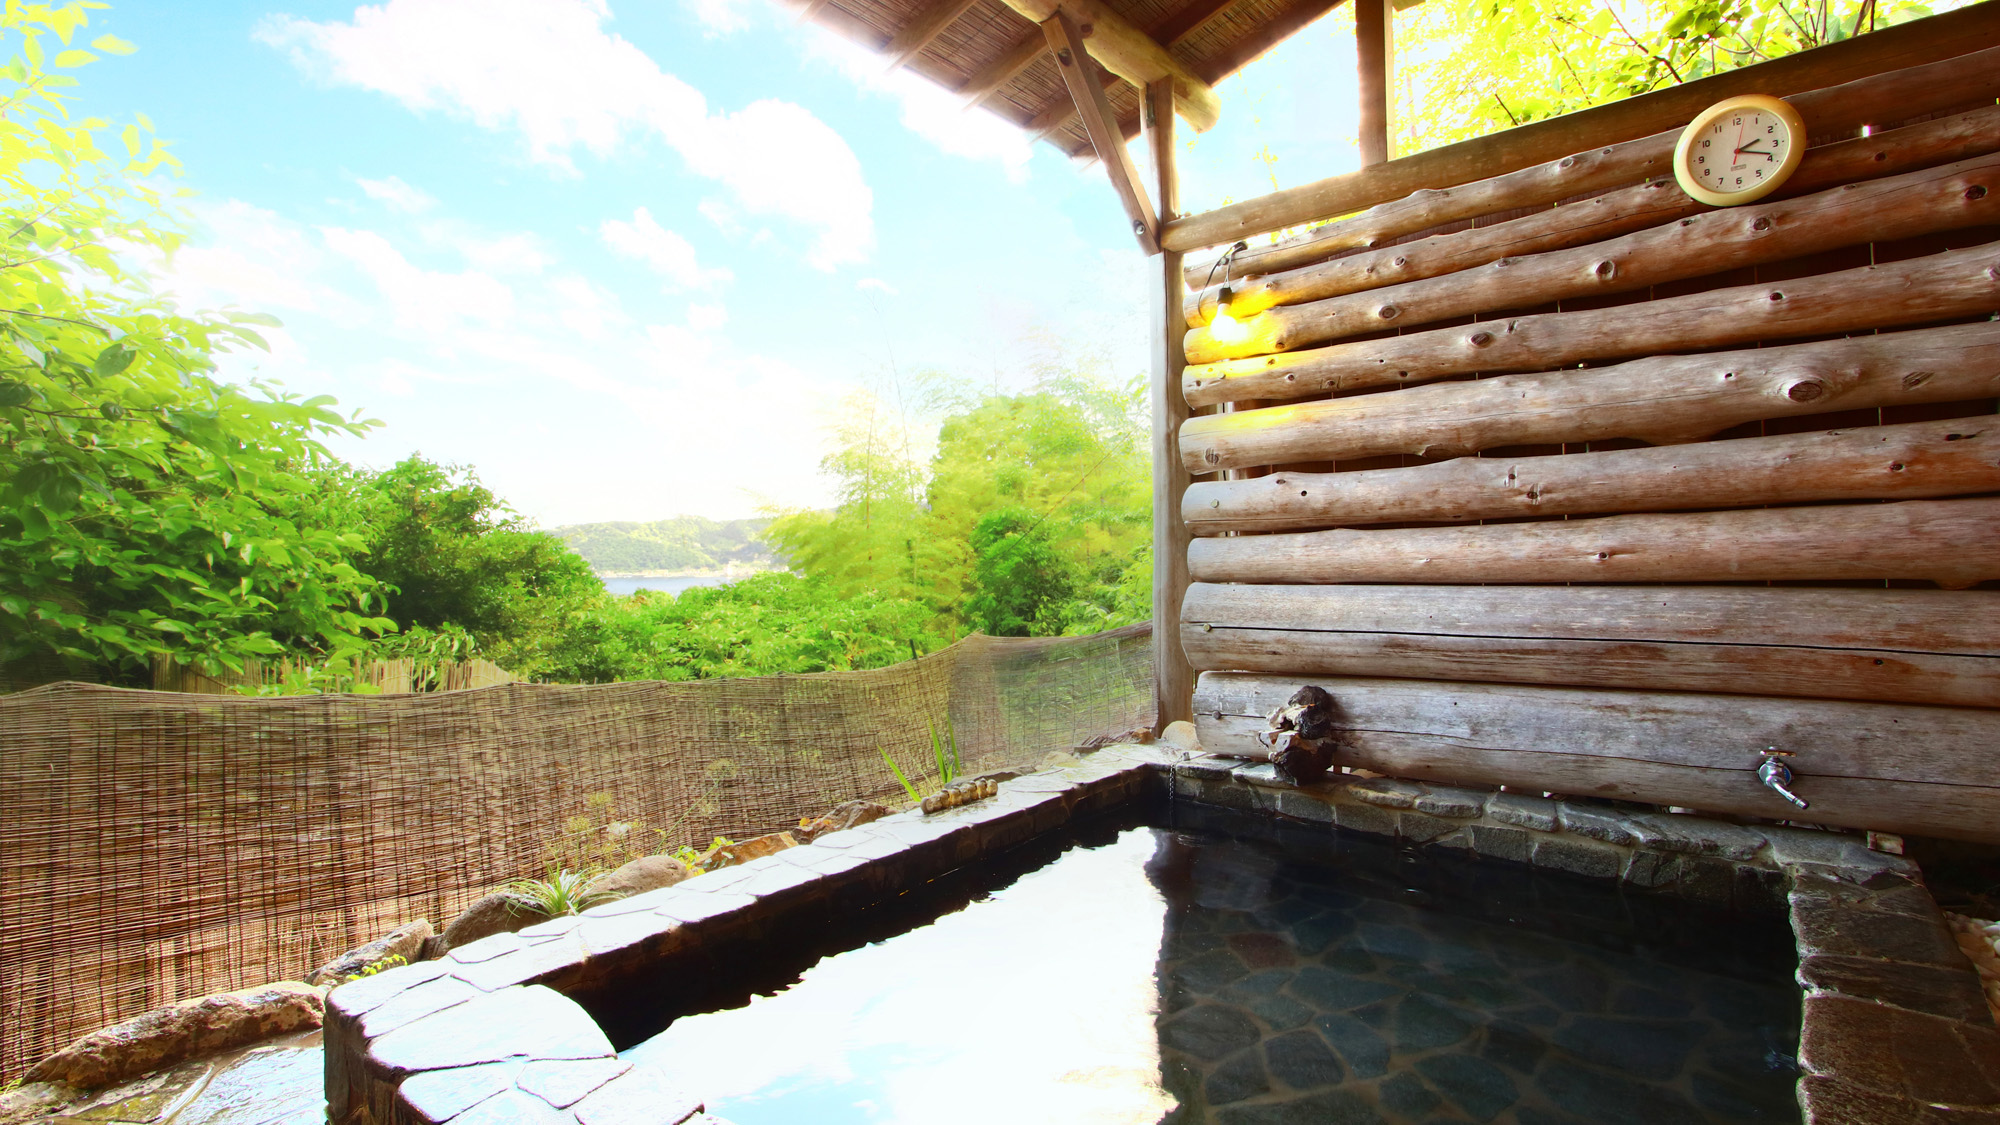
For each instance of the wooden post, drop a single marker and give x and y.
(1173, 676)
(1375, 46)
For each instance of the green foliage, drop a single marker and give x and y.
(767, 624)
(392, 961)
(1474, 66)
(145, 505)
(901, 778)
(461, 566)
(557, 893)
(1021, 582)
(944, 756)
(678, 545)
(1028, 514)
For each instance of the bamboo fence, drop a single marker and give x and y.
(158, 845)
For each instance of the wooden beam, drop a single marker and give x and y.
(1938, 141)
(1955, 543)
(1062, 110)
(1913, 460)
(1374, 46)
(1187, 20)
(924, 27)
(1131, 54)
(1947, 197)
(1923, 770)
(1905, 45)
(1080, 75)
(1896, 646)
(1957, 283)
(1173, 677)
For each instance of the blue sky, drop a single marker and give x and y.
(628, 258)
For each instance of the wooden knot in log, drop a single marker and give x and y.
(1805, 390)
(1976, 191)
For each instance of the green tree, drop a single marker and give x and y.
(1021, 582)
(453, 557)
(764, 625)
(1475, 66)
(143, 501)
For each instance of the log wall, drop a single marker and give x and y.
(1564, 481)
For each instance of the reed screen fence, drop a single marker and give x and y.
(159, 846)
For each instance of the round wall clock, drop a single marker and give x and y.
(1739, 149)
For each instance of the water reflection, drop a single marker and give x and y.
(1037, 1003)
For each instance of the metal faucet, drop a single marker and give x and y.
(1776, 775)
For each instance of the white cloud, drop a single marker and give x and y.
(570, 408)
(396, 195)
(929, 110)
(515, 252)
(245, 254)
(664, 251)
(707, 318)
(590, 90)
(421, 299)
(876, 284)
(722, 17)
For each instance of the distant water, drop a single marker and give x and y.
(672, 583)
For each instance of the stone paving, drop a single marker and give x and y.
(1344, 981)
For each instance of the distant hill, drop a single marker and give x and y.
(676, 546)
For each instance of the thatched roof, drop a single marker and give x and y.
(997, 56)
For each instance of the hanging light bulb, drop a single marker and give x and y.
(1224, 327)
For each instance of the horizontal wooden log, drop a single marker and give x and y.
(1914, 460)
(1954, 543)
(1662, 400)
(1891, 75)
(1898, 622)
(1958, 137)
(1128, 52)
(1952, 196)
(1914, 770)
(1898, 646)
(1944, 286)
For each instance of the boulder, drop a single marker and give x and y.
(647, 873)
(405, 941)
(729, 855)
(191, 1029)
(1180, 735)
(497, 913)
(851, 814)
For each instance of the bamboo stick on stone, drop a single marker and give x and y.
(1955, 543)
(1661, 400)
(1955, 283)
(1863, 765)
(1900, 94)
(1958, 137)
(1903, 646)
(1913, 460)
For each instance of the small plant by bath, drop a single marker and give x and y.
(559, 893)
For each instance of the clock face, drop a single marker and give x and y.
(1739, 151)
